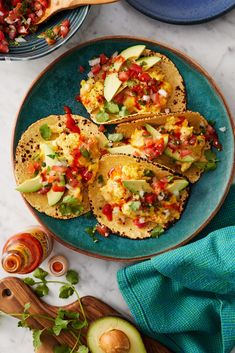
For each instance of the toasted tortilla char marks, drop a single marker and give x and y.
(32, 139)
(177, 100)
(97, 201)
(195, 119)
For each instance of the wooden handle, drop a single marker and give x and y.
(14, 294)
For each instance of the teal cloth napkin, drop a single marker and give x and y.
(185, 298)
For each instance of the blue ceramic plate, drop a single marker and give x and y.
(35, 47)
(59, 84)
(183, 11)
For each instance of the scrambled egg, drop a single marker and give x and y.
(113, 191)
(137, 139)
(66, 144)
(131, 171)
(91, 94)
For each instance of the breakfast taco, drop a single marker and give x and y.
(182, 142)
(137, 81)
(135, 198)
(56, 159)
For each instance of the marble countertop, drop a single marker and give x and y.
(211, 44)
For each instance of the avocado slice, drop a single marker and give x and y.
(148, 61)
(176, 156)
(136, 186)
(177, 185)
(53, 197)
(129, 53)
(30, 185)
(124, 149)
(156, 135)
(47, 150)
(114, 334)
(111, 86)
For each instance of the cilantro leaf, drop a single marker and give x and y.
(77, 325)
(61, 349)
(41, 290)
(100, 179)
(60, 324)
(72, 277)
(29, 281)
(26, 307)
(70, 205)
(37, 338)
(45, 132)
(157, 231)
(40, 274)
(66, 291)
(85, 153)
(91, 232)
(68, 314)
(148, 173)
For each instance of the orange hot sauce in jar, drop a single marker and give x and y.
(25, 251)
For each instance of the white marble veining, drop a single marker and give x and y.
(211, 44)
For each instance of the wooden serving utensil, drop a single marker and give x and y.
(14, 294)
(60, 5)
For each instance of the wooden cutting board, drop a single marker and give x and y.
(14, 294)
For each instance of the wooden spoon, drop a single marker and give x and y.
(60, 5)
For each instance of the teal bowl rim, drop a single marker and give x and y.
(192, 63)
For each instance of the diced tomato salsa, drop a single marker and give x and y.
(19, 18)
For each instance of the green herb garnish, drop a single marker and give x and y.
(157, 231)
(123, 112)
(45, 132)
(70, 205)
(85, 153)
(100, 179)
(91, 232)
(148, 173)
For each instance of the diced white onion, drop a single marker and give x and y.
(222, 129)
(141, 192)
(146, 98)
(69, 187)
(90, 74)
(162, 92)
(160, 197)
(29, 20)
(1, 13)
(115, 210)
(115, 54)
(167, 110)
(39, 13)
(166, 212)
(94, 62)
(176, 193)
(44, 183)
(20, 40)
(141, 220)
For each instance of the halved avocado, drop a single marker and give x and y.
(129, 53)
(113, 334)
(156, 135)
(111, 86)
(176, 156)
(30, 185)
(177, 185)
(136, 186)
(125, 149)
(148, 61)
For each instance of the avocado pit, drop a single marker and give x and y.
(114, 341)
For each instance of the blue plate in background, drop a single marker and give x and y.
(34, 47)
(59, 84)
(183, 11)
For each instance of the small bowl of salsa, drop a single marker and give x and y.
(20, 36)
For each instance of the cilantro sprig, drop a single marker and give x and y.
(65, 320)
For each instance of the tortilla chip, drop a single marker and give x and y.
(97, 201)
(29, 146)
